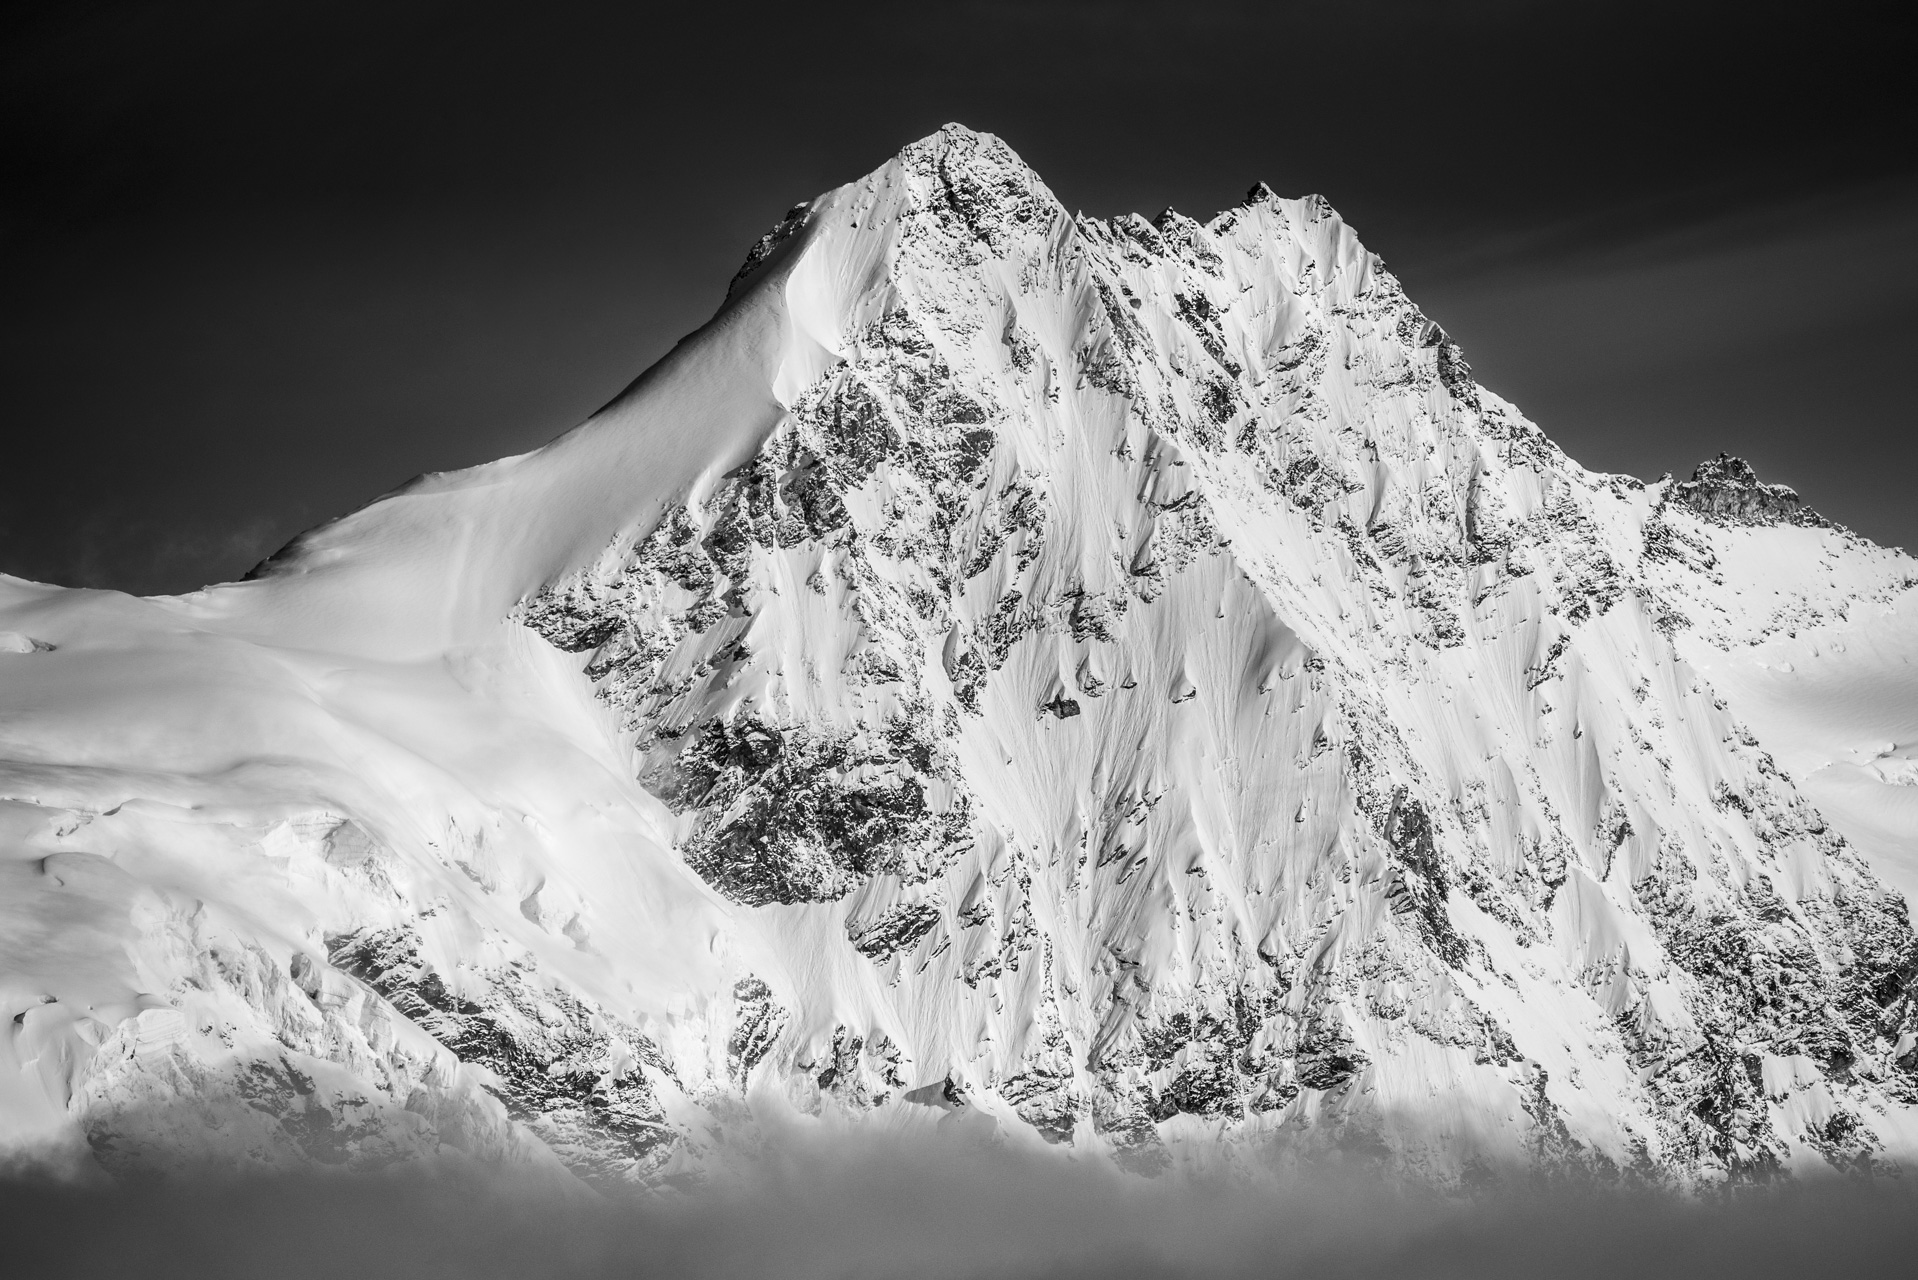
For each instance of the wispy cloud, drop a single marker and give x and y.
(1668, 228)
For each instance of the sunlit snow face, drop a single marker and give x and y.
(1117, 689)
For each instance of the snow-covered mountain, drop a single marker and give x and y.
(1122, 687)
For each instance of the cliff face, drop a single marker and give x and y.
(1122, 684)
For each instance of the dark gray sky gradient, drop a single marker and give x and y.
(261, 263)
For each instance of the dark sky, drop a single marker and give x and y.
(260, 262)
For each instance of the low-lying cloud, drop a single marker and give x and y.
(877, 1208)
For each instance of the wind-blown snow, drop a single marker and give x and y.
(1121, 686)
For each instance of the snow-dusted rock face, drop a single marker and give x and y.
(1120, 684)
(1727, 490)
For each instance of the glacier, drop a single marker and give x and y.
(1117, 689)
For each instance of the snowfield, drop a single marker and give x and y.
(1119, 689)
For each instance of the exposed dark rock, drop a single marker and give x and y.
(572, 1073)
(1063, 707)
(1727, 490)
(792, 815)
(757, 1022)
(1327, 1058)
(766, 245)
(1419, 883)
(897, 930)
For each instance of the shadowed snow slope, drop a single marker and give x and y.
(1119, 686)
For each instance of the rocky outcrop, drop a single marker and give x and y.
(1727, 490)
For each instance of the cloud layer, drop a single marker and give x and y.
(874, 1208)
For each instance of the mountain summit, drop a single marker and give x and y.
(1122, 686)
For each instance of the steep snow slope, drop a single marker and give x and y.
(1120, 685)
(1836, 697)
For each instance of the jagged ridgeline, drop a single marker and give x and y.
(1208, 714)
(1117, 687)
